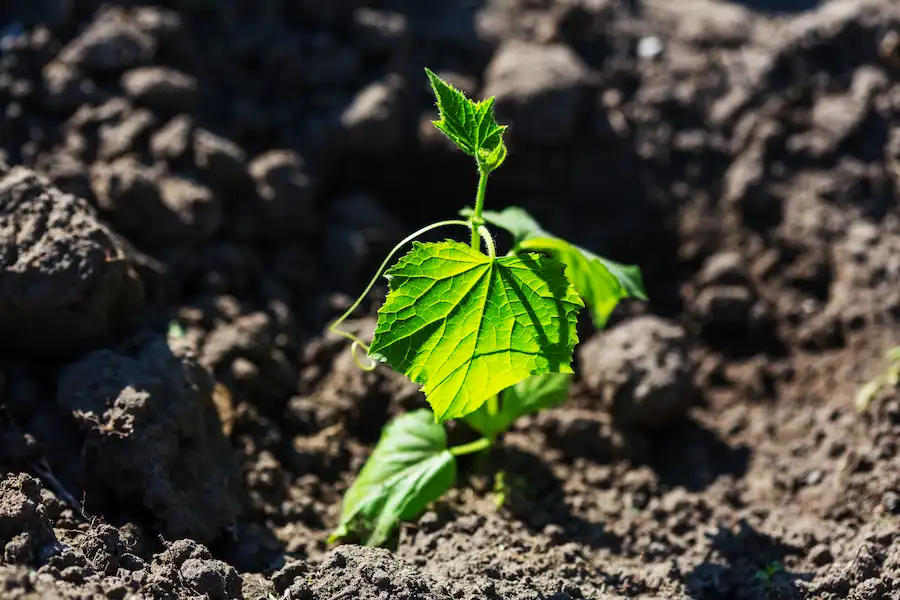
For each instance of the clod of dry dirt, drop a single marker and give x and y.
(642, 372)
(153, 436)
(364, 573)
(537, 88)
(113, 42)
(227, 171)
(66, 284)
(25, 531)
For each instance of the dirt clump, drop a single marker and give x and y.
(642, 372)
(198, 189)
(67, 284)
(152, 435)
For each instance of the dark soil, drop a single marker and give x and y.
(196, 188)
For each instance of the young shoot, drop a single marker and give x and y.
(489, 338)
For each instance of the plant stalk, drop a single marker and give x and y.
(479, 206)
(471, 447)
(493, 405)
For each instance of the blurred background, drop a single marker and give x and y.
(244, 165)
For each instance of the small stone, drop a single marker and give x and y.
(379, 31)
(197, 208)
(161, 23)
(649, 47)
(66, 88)
(891, 502)
(223, 162)
(285, 189)
(723, 268)
(110, 43)
(814, 477)
(373, 122)
(161, 88)
(172, 141)
(125, 135)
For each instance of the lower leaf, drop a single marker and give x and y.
(409, 468)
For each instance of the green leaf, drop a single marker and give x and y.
(409, 468)
(466, 325)
(468, 124)
(890, 377)
(529, 396)
(601, 282)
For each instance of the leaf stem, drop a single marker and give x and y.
(493, 405)
(358, 343)
(472, 447)
(476, 218)
(488, 240)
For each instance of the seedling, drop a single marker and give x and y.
(489, 338)
(890, 377)
(768, 572)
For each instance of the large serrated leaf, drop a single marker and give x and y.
(466, 325)
(409, 468)
(601, 282)
(469, 124)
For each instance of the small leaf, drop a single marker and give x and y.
(601, 282)
(409, 468)
(468, 124)
(867, 393)
(466, 326)
(529, 396)
(491, 158)
(175, 331)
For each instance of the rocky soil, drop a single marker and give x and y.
(191, 190)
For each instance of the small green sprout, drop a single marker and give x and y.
(501, 489)
(175, 331)
(768, 572)
(489, 338)
(890, 377)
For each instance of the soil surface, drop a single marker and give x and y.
(192, 190)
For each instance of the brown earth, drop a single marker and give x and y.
(239, 168)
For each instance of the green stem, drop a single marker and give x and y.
(488, 240)
(493, 405)
(471, 447)
(479, 205)
(358, 343)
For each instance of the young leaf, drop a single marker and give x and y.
(466, 325)
(409, 468)
(529, 396)
(601, 282)
(468, 124)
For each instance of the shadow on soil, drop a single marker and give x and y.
(693, 457)
(738, 559)
(536, 498)
(780, 6)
